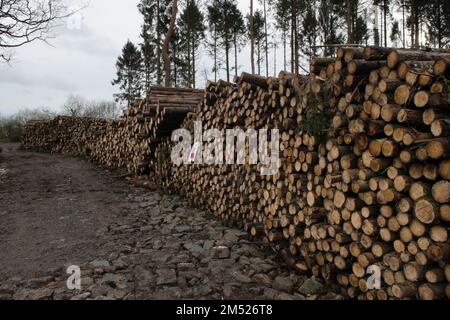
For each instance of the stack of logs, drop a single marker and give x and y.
(372, 196)
(365, 166)
(129, 142)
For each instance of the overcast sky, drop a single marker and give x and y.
(81, 59)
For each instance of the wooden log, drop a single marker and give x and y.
(399, 55)
(402, 95)
(430, 291)
(441, 66)
(438, 149)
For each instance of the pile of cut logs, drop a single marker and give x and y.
(372, 198)
(363, 190)
(129, 142)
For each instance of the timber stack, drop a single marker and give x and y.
(129, 142)
(363, 187)
(364, 179)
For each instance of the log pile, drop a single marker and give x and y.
(365, 167)
(129, 142)
(373, 192)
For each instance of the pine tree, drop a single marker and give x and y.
(156, 15)
(259, 34)
(167, 43)
(351, 12)
(356, 21)
(402, 6)
(384, 5)
(224, 17)
(395, 33)
(192, 32)
(266, 44)
(282, 14)
(415, 13)
(310, 29)
(178, 59)
(438, 16)
(360, 31)
(252, 38)
(149, 58)
(330, 23)
(415, 19)
(129, 73)
(294, 36)
(214, 19)
(238, 31)
(376, 30)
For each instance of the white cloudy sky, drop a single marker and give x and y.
(79, 61)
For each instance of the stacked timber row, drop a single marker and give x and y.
(129, 142)
(363, 190)
(364, 179)
(69, 135)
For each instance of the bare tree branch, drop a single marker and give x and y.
(25, 21)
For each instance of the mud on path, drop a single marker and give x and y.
(130, 243)
(50, 209)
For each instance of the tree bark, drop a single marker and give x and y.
(266, 39)
(193, 65)
(235, 56)
(166, 58)
(215, 54)
(284, 50)
(189, 59)
(349, 21)
(252, 38)
(227, 58)
(158, 47)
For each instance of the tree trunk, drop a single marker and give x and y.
(175, 69)
(129, 89)
(227, 57)
(158, 47)
(252, 38)
(439, 25)
(266, 39)
(297, 47)
(284, 51)
(412, 33)
(169, 36)
(404, 33)
(416, 26)
(235, 56)
(274, 59)
(193, 65)
(189, 59)
(295, 37)
(258, 47)
(215, 54)
(348, 19)
(385, 22)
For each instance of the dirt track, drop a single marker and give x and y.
(50, 208)
(130, 243)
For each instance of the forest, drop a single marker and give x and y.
(293, 29)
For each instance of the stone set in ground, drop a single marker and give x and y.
(159, 248)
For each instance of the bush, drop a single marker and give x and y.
(11, 127)
(10, 130)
